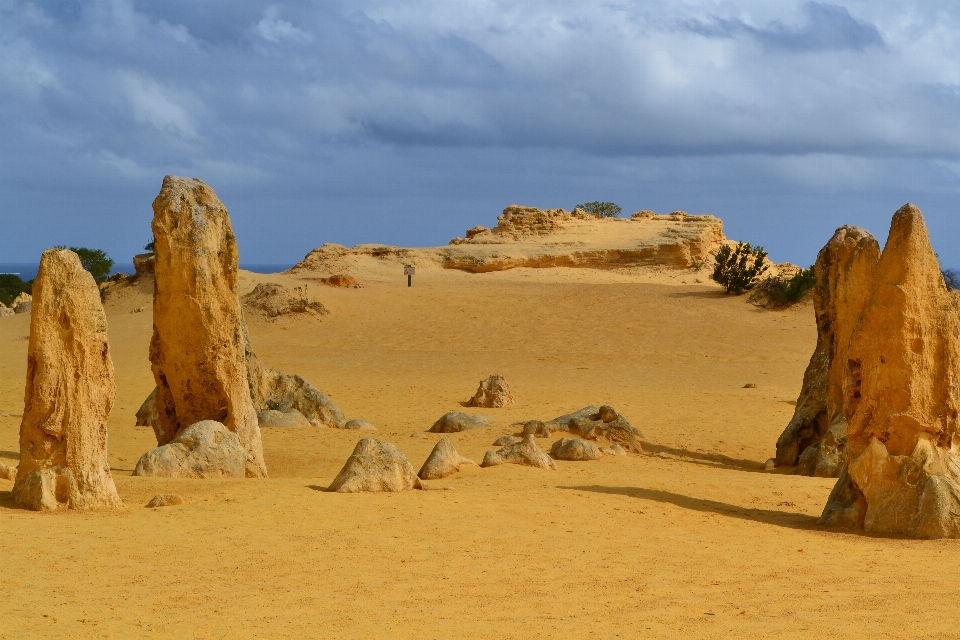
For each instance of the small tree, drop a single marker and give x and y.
(96, 261)
(601, 209)
(11, 286)
(151, 246)
(739, 269)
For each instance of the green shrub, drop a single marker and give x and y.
(739, 269)
(601, 209)
(151, 246)
(11, 286)
(794, 288)
(95, 261)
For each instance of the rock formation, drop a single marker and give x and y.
(596, 422)
(502, 441)
(69, 393)
(455, 421)
(613, 450)
(199, 343)
(166, 500)
(375, 466)
(206, 449)
(845, 269)
(537, 429)
(443, 461)
(8, 473)
(493, 393)
(526, 452)
(23, 307)
(901, 373)
(574, 449)
(271, 390)
(273, 300)
(274, 418)
(359, 425)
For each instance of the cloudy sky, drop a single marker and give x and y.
(408, 122)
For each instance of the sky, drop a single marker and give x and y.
(406, 123)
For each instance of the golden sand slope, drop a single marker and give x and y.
(693, 541)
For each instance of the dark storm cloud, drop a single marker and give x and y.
(346, 117)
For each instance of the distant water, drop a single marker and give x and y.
(28, 270)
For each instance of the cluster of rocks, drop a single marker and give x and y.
(21, 304)
(272, 300)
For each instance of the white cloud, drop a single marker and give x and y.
(273, 29)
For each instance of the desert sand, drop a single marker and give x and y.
(689, 539)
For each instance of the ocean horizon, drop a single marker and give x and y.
(28, 270)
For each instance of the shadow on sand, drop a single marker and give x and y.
(715, 460)
(788, 519)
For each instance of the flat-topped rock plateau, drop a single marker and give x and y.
(688, 538)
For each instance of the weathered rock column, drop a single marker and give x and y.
(69, 393)
(901, 396)
(198, 341)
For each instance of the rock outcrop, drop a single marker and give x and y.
(274, 418)
(272, 390)
(595, 422)
(206, 449)
(502, 441)
(845, 269)
(901, 372)
(493, 393)
(70, 391)
(526, 452)
(272, 300)
(455, 421)
(199, 343)
(166, 500)
(143, 265)
(375, 466)
(537, 429)
(443, 461)
(575, 449)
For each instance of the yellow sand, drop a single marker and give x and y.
(691, 540)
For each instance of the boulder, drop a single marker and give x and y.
(4, 312)
(845, 270)
(443, 461)
(8, 473)
(165, 500)
(21, 297)
(199, 339)
(526, 452)
(375, 466)
(23, 307)
(455, 421)
(143, 264)
(273, 390)
(505, 440)
(274, 418)
(824, 458)
(206, 449)
(492, 393)
(574, 449)
(359, 425)
(147, 413)
(70, 390)
(613, 450)
(901, 371)
(536, 429)
(598, 421)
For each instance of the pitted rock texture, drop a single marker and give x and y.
(375, 466)
(456, 421)
(199, 341)
(206, 449)
(70, 391)
(575, 449)
(599, 421)
(443, 461)
(901, 372)
(493, 393)
(845, 269)
(526, 452)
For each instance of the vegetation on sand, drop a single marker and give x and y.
(601, 209)
(739, 268)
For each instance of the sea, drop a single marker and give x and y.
(28, 270)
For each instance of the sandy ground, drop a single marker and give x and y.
(689, 540)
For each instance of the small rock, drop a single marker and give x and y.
(4, 311)
(359, 425)
(273, 418)
(8, 473)
(536, 429)
(419, 434)
(23, 307)
(443, 461)
(375, 466)
(139, 310)
(455, 421)
(342, 281)
(526, 452)
(205, 449)
(4, 414)
(769, 465)
(750, 385)
(503, 441)
(574, 449)
(613, 450)
(493, 393)
(166, 500)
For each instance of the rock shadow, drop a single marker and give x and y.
(787, 519)
(715, 460)
(13, 455)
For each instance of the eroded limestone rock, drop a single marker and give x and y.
(273, 300)
(166, 500)
(536, 429)
(274, 418)
(199, 343)
(273, 390)
(493, 393)
(8, 473)
(206, 449)
(845, 269)
(456, 421)
(595, 421)
(70, 391)
(526, 452)
(375, 466)
(502, 441)
(575, 449)
(443, 461)
(901, 372)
